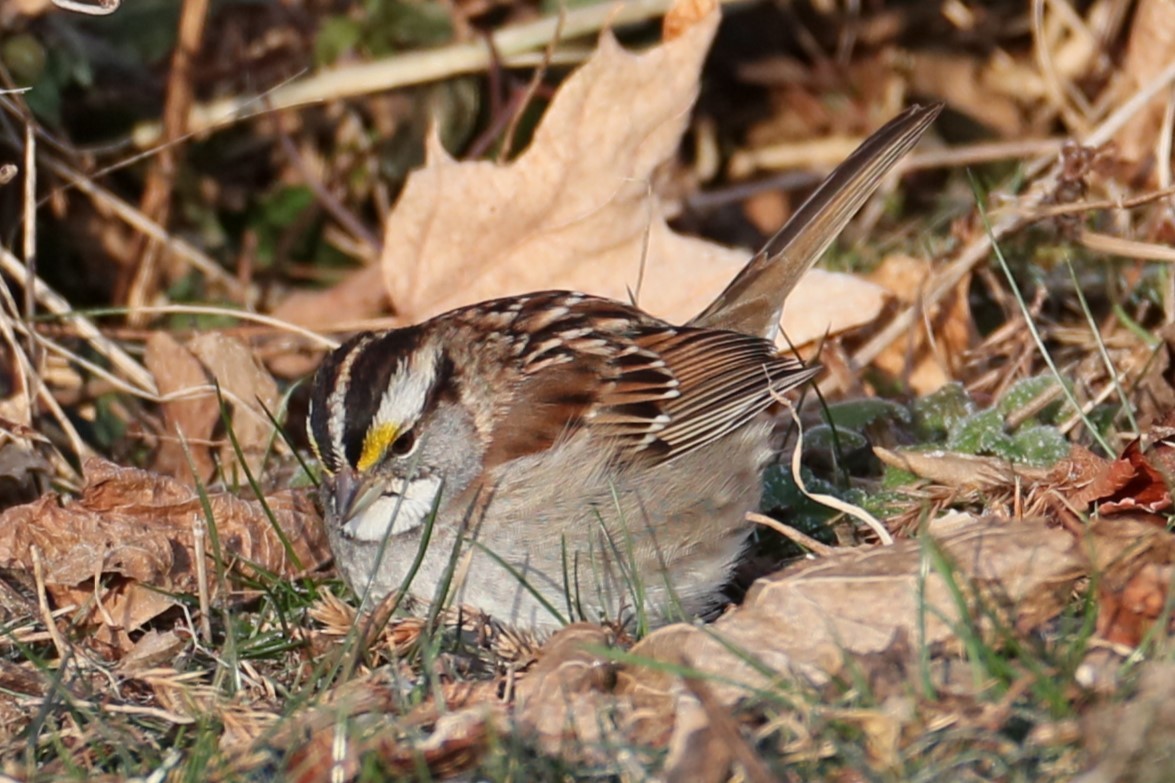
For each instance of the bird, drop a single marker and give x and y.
(556, 455)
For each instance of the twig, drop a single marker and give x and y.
(198, 528)
(1163, 157)
(1058, 92)
(826, 153)
(533, 87)
(259, 318)
(156, 199)
(413, 67)
(30, 222)
(1127, 248)
(1042, 211)
(43, 605)
(56, 304)
(27, 371)
(133, 217)
(347, 219)
(790, 533)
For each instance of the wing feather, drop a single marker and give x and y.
(646, 388)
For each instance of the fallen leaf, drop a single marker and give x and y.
(561, 701)
(360, 295)
(190, 409)
(28, 8)
(683, 15)
(801, 622)
(248, 389)
(1148, 53)
(1134, 560)
(1153, 395)
(996, 92)
(363, 712)
(696, 751)
(153, 648)
(953, 469)
(25, 468)
(185, 375)
(1128, 484)
(1125, 616)
(129, 540)
(576, 209)
(829, 303)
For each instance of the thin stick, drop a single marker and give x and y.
(30, 221)
(155, 201)
(133, 217)
(532, 87)
(411, 68)
(248, 315)
(43, 605)
(790, 533)
(198, 529)
(55, 303)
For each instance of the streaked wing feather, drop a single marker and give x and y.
(652, 390)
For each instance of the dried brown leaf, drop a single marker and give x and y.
(801, 622)
(827, 303)
(190, 410)
(683, 15)
(185, 375)
(1125, 616)
(249, 390)
(559, 701)
(576, 210)
(131, 534)
(1128, 484)
(152, 649)
(25, 468)
(360, 295)
(309, 744)
(696, 751)
(954, 469)
(997, 92)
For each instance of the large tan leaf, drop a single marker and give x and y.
(801, 622)
(577, 210)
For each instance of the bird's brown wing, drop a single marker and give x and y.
(640, 386)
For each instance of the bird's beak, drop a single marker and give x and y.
(351, 493)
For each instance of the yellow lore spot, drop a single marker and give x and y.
(375, 445)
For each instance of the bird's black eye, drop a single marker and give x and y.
(404, 444)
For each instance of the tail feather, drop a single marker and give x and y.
(753, 302)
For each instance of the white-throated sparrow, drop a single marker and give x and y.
(577, 452)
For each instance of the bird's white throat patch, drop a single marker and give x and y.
(395, 513)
